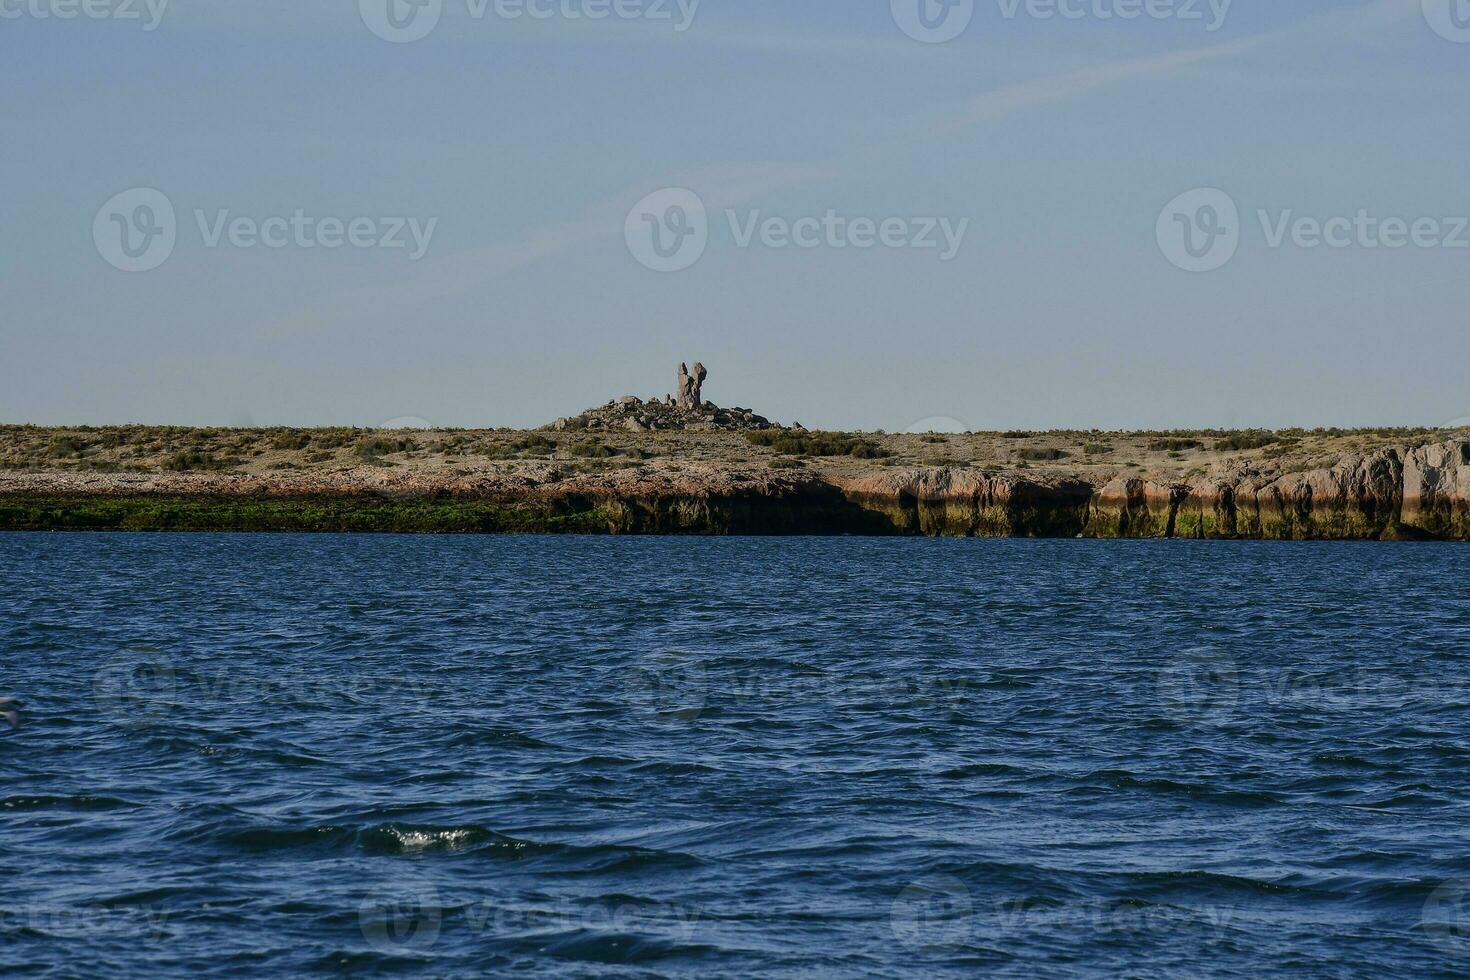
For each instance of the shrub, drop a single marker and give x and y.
(332, 438)
(1037, 454)
(536, 444)
(1097, 449)
(593, 450)
(291, 441)
(62, 446)
(1174, 445)
(792, 443)
(193, 459)
(451, 446)
(374, 446)
(1243, 441)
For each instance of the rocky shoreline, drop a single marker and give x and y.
(1395, 493)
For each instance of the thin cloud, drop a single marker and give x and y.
(997, 103)
(433, 279)
(736, 184)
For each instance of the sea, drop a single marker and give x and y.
(323, 755)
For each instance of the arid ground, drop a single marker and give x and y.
(1363, 483)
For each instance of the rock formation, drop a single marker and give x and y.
(688, 411)
(690, 385)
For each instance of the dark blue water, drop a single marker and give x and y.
(279, 756)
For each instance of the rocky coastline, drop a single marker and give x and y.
(1406, 493)
(682, 465)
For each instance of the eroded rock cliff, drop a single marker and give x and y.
(1417, 492)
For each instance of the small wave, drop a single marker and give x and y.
(75, 803)
(1161, 882)
(1113, 779)
(401, 839)
(1349, 760)
(592, 762)
(587, 946)
(675, 769)
(354, 962)
(980, 769)
(498, 737)
(264, 839)
(408, 839)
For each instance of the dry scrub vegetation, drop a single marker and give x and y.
(173, 449)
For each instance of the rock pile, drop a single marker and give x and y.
(633, 414)
(688, 412)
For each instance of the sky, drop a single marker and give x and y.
(858, 214)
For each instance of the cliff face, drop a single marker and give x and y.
(967, 503)
(1387, 494)
(1435, 494)
(1418, 493)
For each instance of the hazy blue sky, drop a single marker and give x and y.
(1060, 140)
